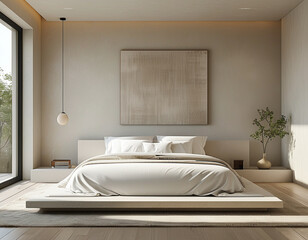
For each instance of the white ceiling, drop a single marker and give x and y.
(163, 10)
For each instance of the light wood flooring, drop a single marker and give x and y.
(294, 196)
(147, 233)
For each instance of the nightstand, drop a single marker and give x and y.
(49, 175)
(274, 174)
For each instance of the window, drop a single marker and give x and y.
(10, 101)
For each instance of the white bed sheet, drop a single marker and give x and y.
(150, 175)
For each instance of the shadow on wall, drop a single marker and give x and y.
(290, 140)
(296, 151)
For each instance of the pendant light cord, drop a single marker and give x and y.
(62, 65)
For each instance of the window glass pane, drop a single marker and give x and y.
(8, 99)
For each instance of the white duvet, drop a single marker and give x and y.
(155, 175)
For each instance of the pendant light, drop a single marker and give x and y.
(62, 118)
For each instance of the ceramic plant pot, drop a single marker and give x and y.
(264, 163)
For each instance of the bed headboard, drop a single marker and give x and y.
(227, 150)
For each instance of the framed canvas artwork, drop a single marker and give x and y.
(164, 87)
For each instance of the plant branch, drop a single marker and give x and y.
(7, 140)
(266, 145)
(263, 141)
(271, 129)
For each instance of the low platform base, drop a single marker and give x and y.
(253, 198)
(155, 203)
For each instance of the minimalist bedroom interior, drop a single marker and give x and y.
(153, 120)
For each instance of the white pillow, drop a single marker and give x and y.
(182, 147)
(163, 147)
(113, 144)
(198, 142)
(132, 146)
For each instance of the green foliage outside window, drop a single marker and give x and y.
(5, 121)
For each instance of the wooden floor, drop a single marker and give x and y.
(294, 196)
(146, 233)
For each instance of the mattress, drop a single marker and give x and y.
(153, 175)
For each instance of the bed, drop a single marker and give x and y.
(168, 174)
(136, 180)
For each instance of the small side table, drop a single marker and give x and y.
(49, 175)
(274, 174)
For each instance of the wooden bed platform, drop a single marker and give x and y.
(253, 198)
(155, 203)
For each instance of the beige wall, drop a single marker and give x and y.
(295, 90)
(244, 74)
(22, 13)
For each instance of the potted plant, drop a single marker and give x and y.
(268, 129)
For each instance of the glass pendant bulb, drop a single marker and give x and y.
(62, 118)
